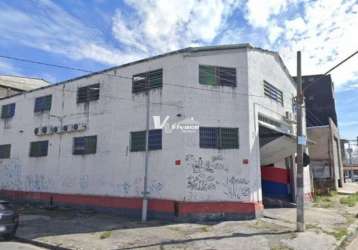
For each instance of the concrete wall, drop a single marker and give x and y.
(325, 153)
(203, 175)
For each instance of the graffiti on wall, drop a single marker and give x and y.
(236, 188)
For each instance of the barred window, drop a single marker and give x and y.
(38, 148)
(8, 110)
(220, 138)
(43, 103)
(148, 80)
(273, 93)
(88, 93)
(85, 145)
(138, 140)
(217, 76)
(5, 151)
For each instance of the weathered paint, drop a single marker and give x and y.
(205, 175)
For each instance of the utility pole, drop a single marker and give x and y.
(300, 148)
(350, 151)
(146, 161)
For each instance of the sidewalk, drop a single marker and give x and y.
(327, 224)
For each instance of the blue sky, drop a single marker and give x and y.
(97, 34)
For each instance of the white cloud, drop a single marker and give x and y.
(326, 35)
(49, 28)
(162, 25)
(7, 68)
(259, 12)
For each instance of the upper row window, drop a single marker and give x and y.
(273, 92)
(8, 110)
(217, 76)
(148, 80)
(88, 93)
(43, 103)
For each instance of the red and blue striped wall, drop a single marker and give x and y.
(275, 182)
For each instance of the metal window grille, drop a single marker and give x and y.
(88, 93)
(148, 80)
(5, 151)
(217, 76)
(43, 103)
(138, 140)
(155, 139)
(209, 137)
(273, 93)
(38, 148)
(220, 138)
(8, 110)
(229, 138)
(85, 145)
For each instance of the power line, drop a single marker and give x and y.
(130, 78)
(331, 69)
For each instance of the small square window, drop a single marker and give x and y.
(138, 140)
(85, 145)
(43, 103)
(273, 93)
(220, 138)
(88, 93)
(8, 111)
(148, 80)
(217, 76)
(39, 149)
(5, 151)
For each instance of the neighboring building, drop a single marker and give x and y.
(82, 141)
(350, 159)
(322, 128)
(11, 85)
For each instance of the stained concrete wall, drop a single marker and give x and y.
(325, 153)
(203, 175)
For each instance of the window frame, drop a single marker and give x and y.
(218, 77)
(8, 110)
(42, 149)
(155, 143)
(88, 147)
(43, 104)
(84, 94)
(218, 139)
(7, 153)
(149, 81)
(273, 92)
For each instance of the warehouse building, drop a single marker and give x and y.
(221, 138)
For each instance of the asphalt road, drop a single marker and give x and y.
(13, 245)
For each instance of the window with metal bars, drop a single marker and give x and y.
(273, 93)
(88, 93)
(217, 76)
(148, 80)
(138, 140)
(5, 151)
(85, 145)
(220, 138)
(43, 103)
(38, 148)
(8, 110)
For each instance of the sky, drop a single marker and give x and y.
(97, 34)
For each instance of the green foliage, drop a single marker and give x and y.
(105, 235)
(350, 200)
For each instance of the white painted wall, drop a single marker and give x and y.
(114, 170)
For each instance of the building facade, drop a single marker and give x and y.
(322, 128)
(211, 112)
